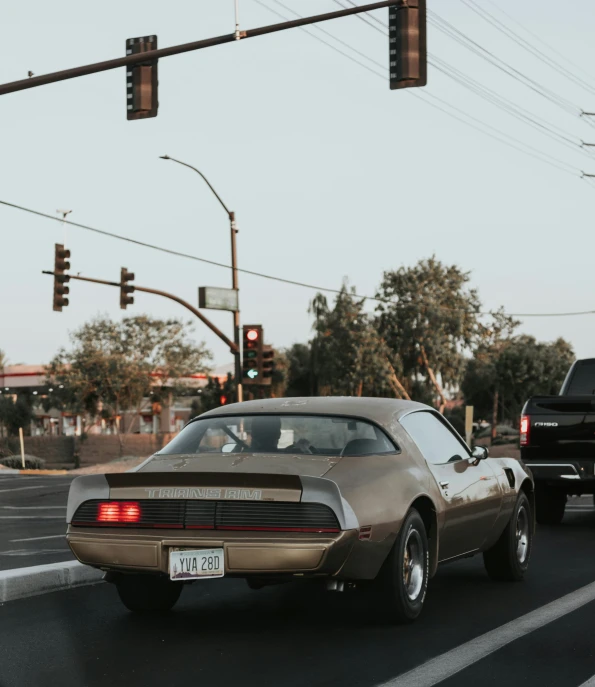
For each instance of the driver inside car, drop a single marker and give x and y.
(266, 432)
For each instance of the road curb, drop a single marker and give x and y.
(41, 579)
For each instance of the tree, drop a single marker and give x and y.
(429, 319)
(14, 414)
(349, 356)
(528, 368)
(115, 366)
(299, 379)
(3, 359)
(480, 384)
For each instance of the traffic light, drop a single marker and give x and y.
(268, 364)
(125, 288)
(407, 44)
(141, 80)
(61, 264)
(252, 354)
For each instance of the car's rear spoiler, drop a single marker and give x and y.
(212, 486)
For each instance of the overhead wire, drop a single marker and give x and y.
(263, 275)
(536, 153)
(526, 45)
(473, 46)
(520, 113)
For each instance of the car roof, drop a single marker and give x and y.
(380, 410)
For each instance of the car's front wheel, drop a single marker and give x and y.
(147, 593)
(403, 580)
(508, 559)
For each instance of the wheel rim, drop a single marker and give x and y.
(413, 565)
(522, 535)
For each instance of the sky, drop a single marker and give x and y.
(331, 174)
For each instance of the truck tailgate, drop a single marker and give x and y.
(560, 427)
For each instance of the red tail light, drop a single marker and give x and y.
(525, 427)
(118, 511)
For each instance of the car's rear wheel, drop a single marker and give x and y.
(403, 580)
(147, 593)
(550, 504)
(508, 559)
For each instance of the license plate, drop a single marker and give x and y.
(196, 565)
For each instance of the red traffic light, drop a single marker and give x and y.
(252, 334)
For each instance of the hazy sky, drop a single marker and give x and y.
(331, 174)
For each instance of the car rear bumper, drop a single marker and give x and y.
(246, 553)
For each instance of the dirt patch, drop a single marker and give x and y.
(106, 468)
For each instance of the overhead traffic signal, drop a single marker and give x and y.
(268, 364)
(141, 80)
(61, 264)
(408, 44)
(252, 354)
(126, 288)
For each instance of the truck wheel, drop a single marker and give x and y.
(550, 504)
(508, 559)
(402, 583)
(148, 593)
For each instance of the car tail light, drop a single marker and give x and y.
(118, 511)
(525, 427)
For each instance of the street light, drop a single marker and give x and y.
(234, 272)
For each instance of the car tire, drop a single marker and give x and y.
(508, 559)
(550, 504)
(403, 581)
(148, 593)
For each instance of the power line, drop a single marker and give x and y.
(458, 36)
(519, 40)
(527, 117)
(537, 154)
(292, 282)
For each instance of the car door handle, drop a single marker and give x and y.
(444, 485)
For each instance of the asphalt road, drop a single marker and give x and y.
(33, 520)
(222, 634)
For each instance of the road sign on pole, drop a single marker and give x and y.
(214, 298)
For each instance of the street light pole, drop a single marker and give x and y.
(234, 275)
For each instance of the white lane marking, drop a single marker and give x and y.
(33, 507)
(49, 536)
(32, 517)
(450, 663)
(589, 683)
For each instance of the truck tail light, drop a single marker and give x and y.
(525, 427)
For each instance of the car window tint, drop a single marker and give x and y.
(436, 442)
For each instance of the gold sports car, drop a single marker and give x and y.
(359, 492)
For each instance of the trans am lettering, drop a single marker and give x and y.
(205, 493)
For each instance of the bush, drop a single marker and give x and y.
(31, 462)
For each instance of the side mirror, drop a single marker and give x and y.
(480, 453)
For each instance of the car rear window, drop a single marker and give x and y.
(281, 434)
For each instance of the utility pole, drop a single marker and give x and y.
(234, 275)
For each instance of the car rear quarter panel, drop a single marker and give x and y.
(380, 490)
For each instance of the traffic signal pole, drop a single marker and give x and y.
(236, 314)
(234, 274)
(233, 347)
(135, 59)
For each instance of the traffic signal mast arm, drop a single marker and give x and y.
(232, 346)
(135, 59)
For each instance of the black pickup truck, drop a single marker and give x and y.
(558, 442)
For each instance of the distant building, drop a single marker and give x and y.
(153, 419)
